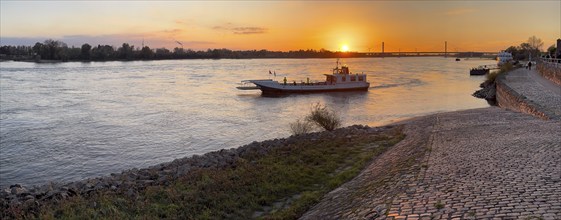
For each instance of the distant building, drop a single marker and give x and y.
(558, 50)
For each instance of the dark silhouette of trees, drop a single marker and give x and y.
(103, 53)
(56, 50)
(40, 50)
(86, 52)
(530, 48)
(551, 50)
(536, 45)
(146, 53)
(16, 50)
(126, 52)
(70, 53)
(163, 53)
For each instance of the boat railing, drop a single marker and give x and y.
(314, 83)
(248, 81)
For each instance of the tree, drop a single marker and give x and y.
(535, 43)
(146, 53)
(71, 53)
(162, 53)
(103, 52)
(126, 52)
(551, 50)
(85, 52)
(40, 50)
(514, 51)
(54, 49)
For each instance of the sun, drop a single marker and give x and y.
(345, 48)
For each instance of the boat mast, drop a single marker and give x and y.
(337, 67)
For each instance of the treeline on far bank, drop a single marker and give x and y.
(57, 50)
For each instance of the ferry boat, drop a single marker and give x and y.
(340, 80)
(503, 57)
(480, 70)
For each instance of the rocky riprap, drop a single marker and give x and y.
(487, 91)
(130, 182)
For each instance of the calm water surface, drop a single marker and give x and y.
(68, 121)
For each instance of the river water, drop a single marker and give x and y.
(68, 121)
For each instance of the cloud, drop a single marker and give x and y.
(250, 30)
(173, 31)
(240, 29)
(26, 41)
(459, 11)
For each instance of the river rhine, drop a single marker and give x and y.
(68, 121)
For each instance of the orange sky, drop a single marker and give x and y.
(285, 25)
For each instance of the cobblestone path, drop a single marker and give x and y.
(475, 164)
(542, 92)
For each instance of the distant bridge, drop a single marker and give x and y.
(433, 54)
(397, 52)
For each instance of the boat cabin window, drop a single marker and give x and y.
(360, 78)
(330, 79)
(342, 70)
(344, 78)
(353, 78)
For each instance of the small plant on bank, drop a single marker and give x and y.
(301, 127)
(439, 205)
(324, 117)
(504, 68)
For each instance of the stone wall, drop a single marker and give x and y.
(550, 71)
(510, 99)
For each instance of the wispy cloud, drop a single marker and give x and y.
(250, 30)
(240, 29)
(459, 11)
(173, 31)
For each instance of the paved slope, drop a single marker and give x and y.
(482, 163)
(542, 92)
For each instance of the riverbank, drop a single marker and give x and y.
(470, 164)
(277, 178)
(526, 91)
(534, 92)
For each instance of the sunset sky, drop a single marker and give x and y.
(284, 25)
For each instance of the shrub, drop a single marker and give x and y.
(439, 205)
(301, 127)
(492, 76)
(324, 118)
(503, 69)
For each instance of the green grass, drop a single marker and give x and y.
(296, 176)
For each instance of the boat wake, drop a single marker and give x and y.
(410, 83)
